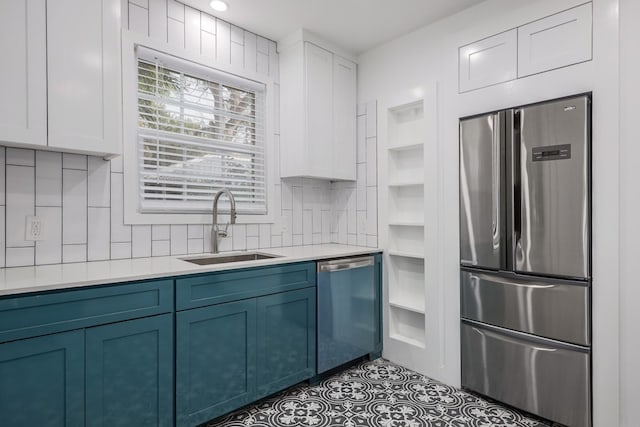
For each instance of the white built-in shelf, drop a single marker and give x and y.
(406, 147)
(406, 183)
(406, 254)
(407, 340)
(408, 304)
(406, 223)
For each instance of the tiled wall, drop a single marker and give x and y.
(80, 197)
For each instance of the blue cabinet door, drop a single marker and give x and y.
(215, 360)
(129, 373)
(286, 340)
(42, 381)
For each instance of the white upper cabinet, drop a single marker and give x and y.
(317, 112)
(489, 61)
(61, 75)
(555, 41)
(83, 75)
(23, 104)
(344, 124)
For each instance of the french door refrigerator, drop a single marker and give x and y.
(525, 257)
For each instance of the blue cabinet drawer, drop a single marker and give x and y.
(217, 288)
(40, 314)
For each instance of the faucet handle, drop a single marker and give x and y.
(223, 233)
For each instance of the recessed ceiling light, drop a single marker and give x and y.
(218, 5)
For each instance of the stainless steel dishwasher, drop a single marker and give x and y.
(346, 310)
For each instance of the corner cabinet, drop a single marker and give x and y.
(317, 113)
(61, 89)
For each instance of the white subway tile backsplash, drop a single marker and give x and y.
(372, 170)
(120, 250)
(253, 230)
(195, 231)
(223, 42)
(192, 29)
(48, 178)
(225, 244)
(276, 241)
(74, 161)
(307, 227)
(372, 124)
(372, 211)
(361, 187)
(352, 239)
(3, 183)
(265, 235)
(195, 246)
(138, 19)
(372, 241)
(239, 237)
(158, 20)
(49, 250)
(207, 238)
(74, 206)
(2, 237)
(120, 232)
(19, 257)
(160, 232)
(160, 248)
(178, 239)
(20, 157)
(99, 182)
(98, 238)
(207, 23)
(297, 210)
(175, 33)
(317, 239)
(361, 139)
(250, 51)
(140, 241)
(253, 243)
(20, 203)
(175, 10)
(74, 253)
(297, 240)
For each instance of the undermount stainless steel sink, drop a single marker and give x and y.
(224, 259)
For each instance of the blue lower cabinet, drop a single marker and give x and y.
(42, 381)
(286, 340)
(215, 360)
(129, 373)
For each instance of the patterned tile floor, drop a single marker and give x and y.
(376, 393)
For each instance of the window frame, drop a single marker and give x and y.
(132, 215)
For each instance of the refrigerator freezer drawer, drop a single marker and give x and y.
(554, 309)
(543, 377)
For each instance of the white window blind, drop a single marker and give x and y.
(199, 130)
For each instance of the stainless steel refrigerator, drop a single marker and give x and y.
(525, 257)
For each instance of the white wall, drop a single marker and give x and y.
(629, 226)
(413, 62)
(81, 197)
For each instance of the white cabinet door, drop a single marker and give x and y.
(344, 119)
(84, 97)
(555, 41)
(23, 81)
(318, 102)
(489, 61)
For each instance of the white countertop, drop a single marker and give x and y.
(18, 280)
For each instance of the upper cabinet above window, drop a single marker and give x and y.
(317, 111)
(61, 75)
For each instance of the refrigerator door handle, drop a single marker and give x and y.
(495, 180)
(514, 184)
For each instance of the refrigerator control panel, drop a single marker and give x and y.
(551, 152)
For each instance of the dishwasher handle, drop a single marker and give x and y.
(345, 264)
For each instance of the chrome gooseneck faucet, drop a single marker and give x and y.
(215, 230)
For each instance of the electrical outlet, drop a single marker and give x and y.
(34, 229)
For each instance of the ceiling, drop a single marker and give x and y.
(354, 25)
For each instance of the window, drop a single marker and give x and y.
(199, 130)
